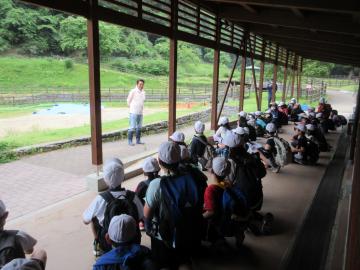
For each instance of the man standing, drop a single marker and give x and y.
(135, 101)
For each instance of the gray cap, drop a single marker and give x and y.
(150, 164)
(113, 172)
(310, 127)
(199, 127)
(2, 208)
(169, 153)
(301, 127)
(178, 136)
(221, 167)
(122, 229)
(232, 140)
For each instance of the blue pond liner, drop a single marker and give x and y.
(66, 108)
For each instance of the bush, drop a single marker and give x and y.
(69, 64)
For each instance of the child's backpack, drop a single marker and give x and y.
(234, 210)
(283, 152)
(10, 247)
(133, 257)
(206, 160)
(312, 152)
(115, 207)
(181, 227)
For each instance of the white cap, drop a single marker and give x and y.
(184, 152)
(150, 164)
(22, 264)
(221, 167)
(310, 127)
(199, 127)
(271, 127)
(178, 136)
(300, 127)
(247, 131)
(2, 208)
(169, 153)
(312, 114)
(319, 115)
(293, 100)
(281, 103)
(251, 122)
(231, 140)
(122, 229)
(239, 131)
(257, 113)
(322, 100)
(223, 120)
(113, 172)
(242, 114)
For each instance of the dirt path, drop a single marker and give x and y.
(37, 122)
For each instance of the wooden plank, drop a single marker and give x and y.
(94, 84)
(348, 7)
(314, 21)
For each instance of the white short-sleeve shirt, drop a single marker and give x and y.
(98, 206)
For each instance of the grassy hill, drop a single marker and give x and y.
(24, 75)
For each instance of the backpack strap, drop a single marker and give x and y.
(202, 141)
(107, 196)
(129, 195)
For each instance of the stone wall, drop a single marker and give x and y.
(113, 136)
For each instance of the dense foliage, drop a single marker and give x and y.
(34, 31)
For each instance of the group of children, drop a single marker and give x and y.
(180, 205)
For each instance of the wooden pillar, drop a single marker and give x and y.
(173, 69)
(262, 69)
(215, 90)
(293, 78)
(355, 127)
(285, 78)
(242, 83)
(274, 85)
(353, 237)
(94, 84)
(299, 93)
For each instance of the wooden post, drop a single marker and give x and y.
(173, 69)
(285, 77)
(299, 94)
(274, 85)
(215, 89)
(243, 72)
(293, 78)
(254, 75)
(94, 83)
(353, 237)
(262, 68)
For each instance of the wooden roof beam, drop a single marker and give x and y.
(319, 21)
(305, 35)
(345, 6)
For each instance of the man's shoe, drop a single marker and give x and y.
(140, 142)
(131, 144)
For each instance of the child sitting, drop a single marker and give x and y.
(126, 253)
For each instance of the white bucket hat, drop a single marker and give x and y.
(257, 113)
(150, 164)
(271, 127)
(122, 229)
(310, 127)
(178, 137)
(232, 140)
(242, 114)
(239, 131)
(113, 172)
(223, 120)
(300, 127)
(169, 153)
(199, 127)
(319, 115)
(220, 166)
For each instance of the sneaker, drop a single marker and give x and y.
(266, 227)
(299, 161)
(140, 142)
(131, 144)
(96, 249)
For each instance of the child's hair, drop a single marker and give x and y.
(151, 175)
(170, 167)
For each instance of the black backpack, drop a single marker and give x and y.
(123, 204)
(10, 247)
(312, 152)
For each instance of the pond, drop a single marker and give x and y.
(66, 108)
